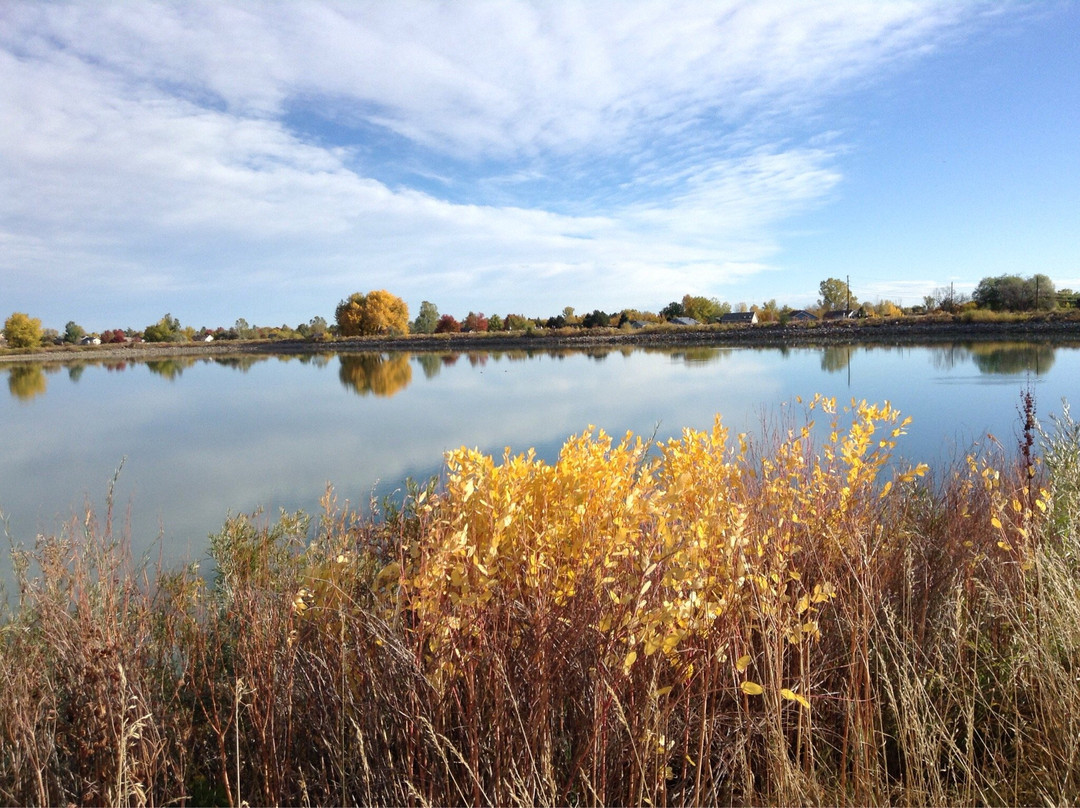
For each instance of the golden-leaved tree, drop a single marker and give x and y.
(377, 312)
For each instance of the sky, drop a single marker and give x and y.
(219, 160)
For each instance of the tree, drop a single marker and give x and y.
(672, 310)
(836, 294)
(597, 319)
(167, 329)
(447, 324)
(377, 312)
(22, 330)
(475, 322)
(516, 322)
(495, 323)
(427, 319)
(1013, 293)
(703, 309)
(73, 332)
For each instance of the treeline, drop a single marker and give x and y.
(380, 312)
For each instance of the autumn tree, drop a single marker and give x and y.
(703, 309)
(377, 312)
(475, 322)
(22, 330)
(447, 324)
(836, 294)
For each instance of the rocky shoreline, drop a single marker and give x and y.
(908, 331)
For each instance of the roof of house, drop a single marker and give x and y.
(739, 317)
(684, 321)
(838, 314)
(802, 314)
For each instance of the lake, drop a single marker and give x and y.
(198, 438)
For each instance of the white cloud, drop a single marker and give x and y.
(635, 148)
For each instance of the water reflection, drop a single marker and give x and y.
(1012, 358)
(996, 358)
(836, 358)
(171, 368)
(386, 374)
(26, 381)
(375, 373)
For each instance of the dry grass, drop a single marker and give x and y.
(713, 620)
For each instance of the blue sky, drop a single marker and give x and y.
(218, 159)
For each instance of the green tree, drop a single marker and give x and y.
(427, 319)
(672, 310)
(377, 312)
(495, 323)
(836, 294)
(1013, 293)
(22, 330)
(167, 329)
(73, 332)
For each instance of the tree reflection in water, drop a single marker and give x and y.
(375, 373)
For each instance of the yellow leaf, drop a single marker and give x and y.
(995, 522)
(791, 695)
(631, 658)
(1004, 545)
(742, 663)
(752, 688)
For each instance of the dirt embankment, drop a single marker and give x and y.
(908, 331)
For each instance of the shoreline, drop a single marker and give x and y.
(907, 331)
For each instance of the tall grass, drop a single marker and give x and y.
(713, 619)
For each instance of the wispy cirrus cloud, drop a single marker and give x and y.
(513, 154)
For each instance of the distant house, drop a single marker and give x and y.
(838, 314)
(684, 321)
(90, 341)
(638, 324)
(802, 314)
(743, 317)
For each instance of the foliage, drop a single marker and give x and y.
(22, 331)
(475, 322)
(447, 324)
(1013, 293)
(427, 319)
(167, 329)
(516, 322)
(672, 310)
(495, 323)
(115, 336)
(596, 319)
(377, 312)
(714, 619)
(836, 294)
(73, 332)
(703, 309)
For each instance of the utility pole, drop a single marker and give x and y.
(847, 288)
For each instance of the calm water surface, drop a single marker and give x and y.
(200, 438)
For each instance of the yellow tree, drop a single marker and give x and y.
(377, 312)
(22, 331)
